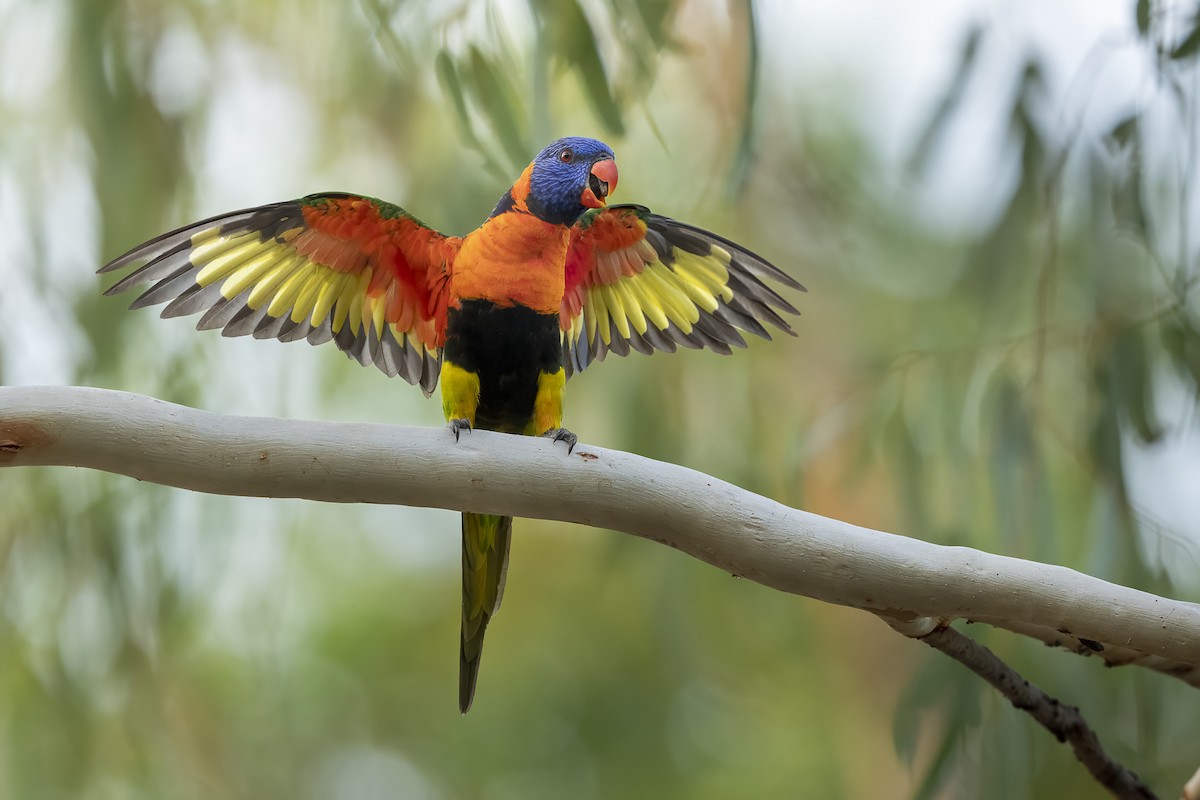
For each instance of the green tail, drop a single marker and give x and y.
(485, 542)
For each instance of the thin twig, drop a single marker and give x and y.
(1064, 721)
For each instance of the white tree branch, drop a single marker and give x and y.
(914, 585)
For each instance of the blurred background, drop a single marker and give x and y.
(993, 204)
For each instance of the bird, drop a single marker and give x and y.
(552, 281)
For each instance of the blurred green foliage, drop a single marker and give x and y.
(982, 383)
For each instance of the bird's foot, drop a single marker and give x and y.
(562, 435)
(458, 426)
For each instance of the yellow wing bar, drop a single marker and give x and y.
(639, 281)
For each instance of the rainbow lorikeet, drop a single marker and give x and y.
(553, 280)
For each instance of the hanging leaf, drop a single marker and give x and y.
(1143, 16)
(931, 134)
(498, 101)
(1181, 340)
(1191, 44)
(1127, 379)
(1125, 131)
(1012, 454)
(1128, 204)
(573, 42)
(448, 79)
(742, 161)
(944, 688)
(655, 16)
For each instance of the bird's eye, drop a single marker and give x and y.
(567, 155)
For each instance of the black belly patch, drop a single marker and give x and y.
(507, 347)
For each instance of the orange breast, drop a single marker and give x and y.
(513, 258)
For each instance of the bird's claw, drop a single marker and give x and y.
(458, 426)
(562, 435)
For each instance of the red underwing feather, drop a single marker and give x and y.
(298, 269)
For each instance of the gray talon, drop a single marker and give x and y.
(458, 426)
(562, 435)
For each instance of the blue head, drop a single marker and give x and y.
(567, 178)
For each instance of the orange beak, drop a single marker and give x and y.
(601, 183)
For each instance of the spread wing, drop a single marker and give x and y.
(360, 272)
(639, 281)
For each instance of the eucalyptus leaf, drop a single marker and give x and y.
(574, 43)
(1190, 44)
(935, 125)
(496, 97)
(1142, 14)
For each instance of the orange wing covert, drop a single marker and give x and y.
(355, 270)
(637, 280)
